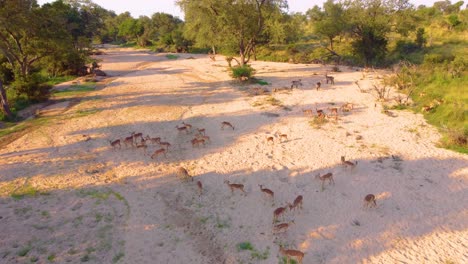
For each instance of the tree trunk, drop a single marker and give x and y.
(4, 103)
(331, 43)
(213, 49)
(242, 59)
(254, 53)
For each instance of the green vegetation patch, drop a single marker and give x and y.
(284, 260)
(244, 246)
(25, 191)
(172, 56)
(85, 112)
(318, 122)
(118, 257)
(242, 73)
(51, 257)
(13, 128)
(261, 82)
(59, 79)
(23, 251)
(75, 90)
(269, 100)
(255, 254)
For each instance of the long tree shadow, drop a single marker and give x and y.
(415, 199)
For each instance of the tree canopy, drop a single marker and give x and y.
(221, 22)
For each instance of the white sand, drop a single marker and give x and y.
(421, 191)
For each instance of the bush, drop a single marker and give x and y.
(437, 58)
(405, 47)
(33, 87)
(242, 72)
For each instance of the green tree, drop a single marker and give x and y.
(222, 22)
(165, 28)
(330, 22)
(22, 35)
(420, 38)
(110, 31)
(370, 22)
(131, 29)
(70, 45)
(453, 21)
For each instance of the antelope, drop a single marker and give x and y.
(142, 146)
(292, 253)
(115, 143)
(308, 112)
(346, 107)
(297, 203)
(153, 140)
(369, 201)
(296, 84)
(188, 126)
(201, 131)
(330, 79)
(282, 227)
(183, 173)
(334, 111)
(224, 123)
(196, 142)
(323, 178)
(183, 128)
(233, 186)
(128, 140)
(317, 85)
(270, 139)
(267, 191)
(283, 136)
(427, 108)
(137, 135)
(158, 152)
(320, 113)
(278, 211)
(166, 144)
(348, 163)
(200, 187)
(202, 136)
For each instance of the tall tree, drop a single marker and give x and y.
(163, 28)
(21, 35)
(131, 29)
(370, 22)
(236, 21)
(331, 22)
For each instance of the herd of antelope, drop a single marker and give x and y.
(279, 213)
(136, 140)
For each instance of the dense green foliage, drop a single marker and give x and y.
(242, 72)
(238, 24)
(38, 43)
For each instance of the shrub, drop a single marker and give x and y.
(33, 88)
(244, 246)
(432, 59)
(244, 72)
